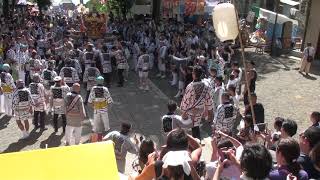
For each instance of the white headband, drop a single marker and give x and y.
(176, 158)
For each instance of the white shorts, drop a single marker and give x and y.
(100, 122)
(143, 74)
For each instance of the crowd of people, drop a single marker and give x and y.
(46, 61)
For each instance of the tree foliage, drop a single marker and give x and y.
(43, 4)
(119, 8)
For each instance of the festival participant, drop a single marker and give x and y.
(7, 88)
(57, 104)
(75, 114)
(163, 53)
(218, 91)
(90, 79)
(69, 74)
(105, 59)
(171, 121)
(47, 77)
(225, 115)
(37, 91)
(196, 101)
(143, 68)
(121, 63)
(101, 100)
(88, 55)
(122, 144)
(22, 106)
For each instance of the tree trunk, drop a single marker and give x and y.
(5, 8)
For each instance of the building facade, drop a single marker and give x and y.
(312, 33)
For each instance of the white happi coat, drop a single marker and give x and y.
(7, 84)
(69, 75)
(37, 91)
(88, 58)
(21, 103)
(101, 99)
(196, 99)
(105, 59)
(35, 66)
(58, 95)
(89, 77)
(47, 77)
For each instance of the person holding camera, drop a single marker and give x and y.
(221, 151)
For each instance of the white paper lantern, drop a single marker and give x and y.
(225, 21)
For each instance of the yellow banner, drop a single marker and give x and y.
(95, 161)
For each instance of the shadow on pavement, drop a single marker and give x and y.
(53, 140)
(4, 122)
(20, 144)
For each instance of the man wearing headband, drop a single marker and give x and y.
(38, 96)
(22, 106)
(101, 100)
(7, 88)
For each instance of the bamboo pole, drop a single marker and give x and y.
(244, 66)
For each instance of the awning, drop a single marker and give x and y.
(290, 2)
(271, 16)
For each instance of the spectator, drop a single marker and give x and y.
(245, 132)
(219, 154)
(257, 108)
(315, 157)
(289, 128)
(287, 154)
(181, 149)
(307, 58)
(255, 156)
(315, 119)
(307, 141)
(147, 147)
(122, 144)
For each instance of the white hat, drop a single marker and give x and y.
(57, 78)
(177, 158)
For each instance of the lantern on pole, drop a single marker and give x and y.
(225, 21)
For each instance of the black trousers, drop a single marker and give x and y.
(196, 132)
(107, 78)
(39, 118)
(87, 96)
(55, 122)
(120, 76)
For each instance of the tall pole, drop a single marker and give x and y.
(245, 68)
